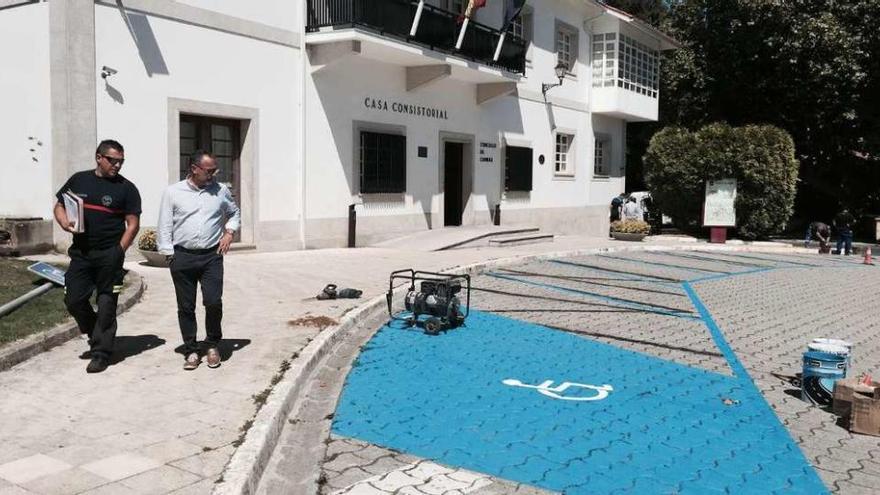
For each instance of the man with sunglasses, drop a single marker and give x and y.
(197, 220)
(112, 209)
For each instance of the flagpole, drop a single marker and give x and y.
(498, 48)
(464, 25)
(417, 18)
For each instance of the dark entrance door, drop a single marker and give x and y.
(221, 137)
(452, 184)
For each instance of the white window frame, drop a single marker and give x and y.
(601, 156)
(604, 59)
(566, 36)
(563, 156)
(638, 67)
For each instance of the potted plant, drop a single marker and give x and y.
(629, 230)
(148, 247)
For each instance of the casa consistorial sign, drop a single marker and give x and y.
(382, 105)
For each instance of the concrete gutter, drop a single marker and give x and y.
(30, 346)
(244, 470)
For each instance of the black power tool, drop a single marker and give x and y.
(435, 304)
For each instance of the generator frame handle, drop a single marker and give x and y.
(413, 275)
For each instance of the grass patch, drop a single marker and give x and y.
(36, 315)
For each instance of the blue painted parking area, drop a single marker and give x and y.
(533, 404)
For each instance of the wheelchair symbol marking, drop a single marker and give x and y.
(547, 388)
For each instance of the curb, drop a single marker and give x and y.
(32, 345)
(242, 473)
(244, 470)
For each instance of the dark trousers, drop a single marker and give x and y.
(188, 269)
(844, 238)
(99, 271)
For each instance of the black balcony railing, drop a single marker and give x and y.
(438, 29)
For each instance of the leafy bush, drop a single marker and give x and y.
(760, 157)
(630, 227)
(148, 240)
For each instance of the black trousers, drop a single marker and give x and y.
(99, 271)
(190, 268)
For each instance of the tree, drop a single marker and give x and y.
(807, 66)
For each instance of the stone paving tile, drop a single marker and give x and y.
(160, 480)
(30, 468)
(8, 489)
(121, 466)
(200, 488)
(69, 481)
(116, 488)
(206, 464)
(170, 450)
(408, 474)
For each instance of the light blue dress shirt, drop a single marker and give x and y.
(195, 218)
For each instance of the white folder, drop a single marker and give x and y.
(73, 205)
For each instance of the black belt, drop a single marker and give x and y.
(197, 251)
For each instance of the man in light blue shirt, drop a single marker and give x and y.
(197, 220)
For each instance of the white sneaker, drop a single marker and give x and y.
(192, 361)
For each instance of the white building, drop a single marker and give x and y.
(413, 132)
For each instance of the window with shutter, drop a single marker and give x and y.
(517, 169)
(382, 163)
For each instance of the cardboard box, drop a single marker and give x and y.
(843, 395)
(865, 416)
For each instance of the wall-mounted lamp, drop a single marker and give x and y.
(107, 72)
(560, 69)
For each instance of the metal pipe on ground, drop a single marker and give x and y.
(15, 303)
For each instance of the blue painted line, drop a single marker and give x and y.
(729, 356)
(616, 300)
(735, 274)
(744, 378)
(622, 274)
(665, 265)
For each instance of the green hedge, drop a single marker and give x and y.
(760, 157)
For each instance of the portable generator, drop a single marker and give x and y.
(435, 305)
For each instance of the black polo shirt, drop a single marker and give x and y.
(106, 202)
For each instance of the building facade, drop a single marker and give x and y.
(315, 108)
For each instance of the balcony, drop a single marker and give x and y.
(437, 29)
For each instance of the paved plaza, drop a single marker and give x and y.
(681, 363)
(648, 372)
(147, 426)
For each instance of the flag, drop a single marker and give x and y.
(472, 7)
(512, 8)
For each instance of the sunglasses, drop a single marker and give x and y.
(211, 173)
(114, 161)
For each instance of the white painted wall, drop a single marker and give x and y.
(204, 65)
(336, 97)
(25, 176)
(602, 190)
(283, 14)
(335, 100)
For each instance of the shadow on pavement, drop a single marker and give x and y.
(132, 345)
